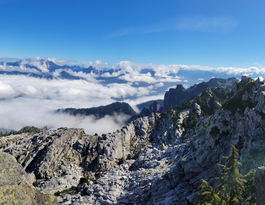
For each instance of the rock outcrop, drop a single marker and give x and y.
(15, 184)
(153, 108)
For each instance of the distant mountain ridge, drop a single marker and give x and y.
(150, 80)
(101, 111)
(148, 103)
(176, 96)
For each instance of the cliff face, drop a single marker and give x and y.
(153, 108)
(175, 97)
(152, 160)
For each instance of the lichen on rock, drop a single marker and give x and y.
(15, 185)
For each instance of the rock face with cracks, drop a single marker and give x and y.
(152, 160)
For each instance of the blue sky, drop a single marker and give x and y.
(205, 32)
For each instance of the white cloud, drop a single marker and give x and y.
(56, 60)
(6, 91)
(114, 74)
(159, 85)
(40, 97)
(143, 99)
(137, 77)
(67, 89)
(186, 86)
(19, 112)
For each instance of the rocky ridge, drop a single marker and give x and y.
(152, 160)
(101, 111)
(177, 96)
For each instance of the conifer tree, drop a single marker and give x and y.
(231, 186)
(231, 181)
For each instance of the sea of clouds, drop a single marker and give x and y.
(31, 101)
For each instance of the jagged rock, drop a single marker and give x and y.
(176, 96)
(145, 112)
(244, 78)
(153, 108)
(52, 153)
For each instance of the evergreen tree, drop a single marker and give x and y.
(231, 181)
(208, 196)
(231, 186)
(250, 190)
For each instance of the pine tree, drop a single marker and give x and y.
(250, 190)
(231, 181)
(208, 196)
(231, 186)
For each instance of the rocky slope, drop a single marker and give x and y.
(158, 159)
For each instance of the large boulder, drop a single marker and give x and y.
(15, 184)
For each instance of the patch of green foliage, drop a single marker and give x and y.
(249, 194)
(29, 129)
(208, 99)
(183, 106)
(191, 121)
